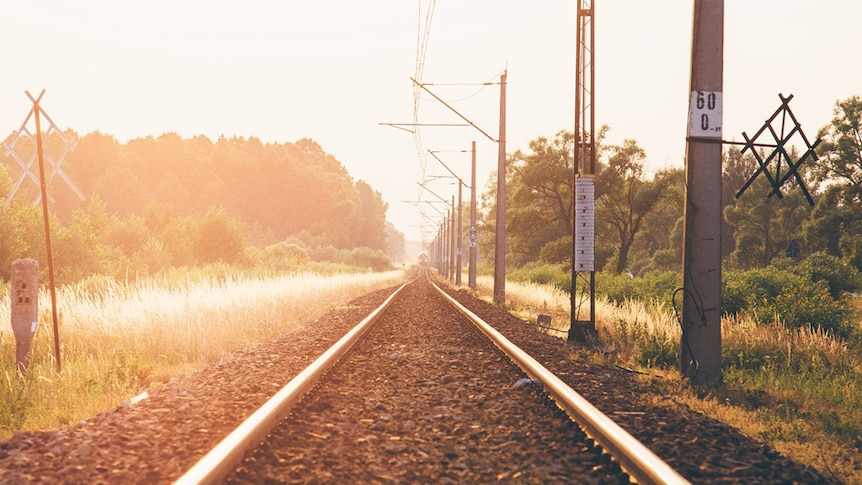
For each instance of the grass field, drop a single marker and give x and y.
(118, 340)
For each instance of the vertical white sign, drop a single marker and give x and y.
(704, 114)
(585, 214)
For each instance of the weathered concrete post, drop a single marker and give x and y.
(700, 355)
(24, 291)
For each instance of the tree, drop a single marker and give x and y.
(394, 242)
(624, 197)
(736, 169)
(20, 227)
(835, 224)
(283, 188)
(660, 245)
(764, 226)
(841, 147)
(370, 220)
(540, 207)
(92, 157)
(836, 221)
(220, 238)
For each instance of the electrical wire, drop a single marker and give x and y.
(679, 319)
(482, 88)
(423, 33)
(693, 294)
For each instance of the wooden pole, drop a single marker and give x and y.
(43, 185)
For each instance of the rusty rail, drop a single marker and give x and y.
(220, 461)
(639, 461)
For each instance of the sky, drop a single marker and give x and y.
(339, 72)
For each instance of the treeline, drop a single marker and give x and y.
(173, 201)
(639, 216)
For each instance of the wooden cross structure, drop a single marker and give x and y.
(779, 153)
(25, 134)
(38, 156)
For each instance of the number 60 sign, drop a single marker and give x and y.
(704, 114)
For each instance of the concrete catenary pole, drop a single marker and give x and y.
(446, 236)
(471, 275)
(453, 234)
(440, 249)
(460, 240)
(500, 242)
(700, 355)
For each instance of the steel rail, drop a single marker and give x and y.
(635, 458)
(221, 460)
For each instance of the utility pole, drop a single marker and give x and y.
(452, 235)
(43, 187)
(446, 236)
(442, 248)
(441, 238)
(700, 355)
(471, 275)
(460, 240)
(500, 243)
(434, 250)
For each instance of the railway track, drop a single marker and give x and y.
(452, 409)
(389, 412)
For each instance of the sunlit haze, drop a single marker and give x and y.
(339, 72)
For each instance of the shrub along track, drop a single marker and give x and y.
(156, 440)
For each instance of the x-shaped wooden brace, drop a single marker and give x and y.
(25, 133)
(781, 140)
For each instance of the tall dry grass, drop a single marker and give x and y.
(117, 340)
(622, 322)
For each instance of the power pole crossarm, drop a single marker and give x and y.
(453, 109)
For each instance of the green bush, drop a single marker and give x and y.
(557, 275)
(751, 289)
(840, 276)
(280, 257)
(812, 305)
(652, 286)
(219, 237)
(558, 251)
(774, 294)
(323, 253)
(361, 257)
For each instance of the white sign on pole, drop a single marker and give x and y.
(585, 214)
(704, 114)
